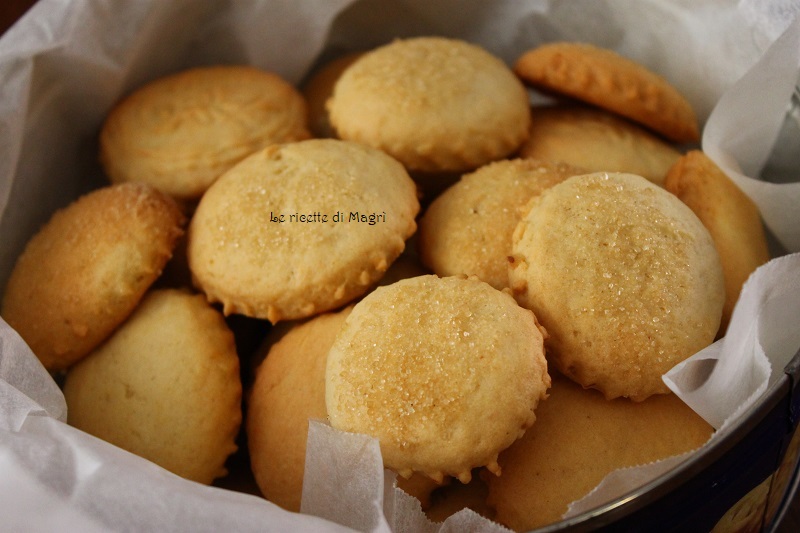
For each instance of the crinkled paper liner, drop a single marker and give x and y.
(65, 64)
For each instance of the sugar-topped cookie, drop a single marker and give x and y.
(433, 103)
(623, 276)
(300, 228)
(444, 372)
(85, 271)
(467, 229)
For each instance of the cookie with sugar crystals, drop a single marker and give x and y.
(609, 80)
(289, 390)
(420, 363)
(730, 216)
(180, 132)
(165, 386)
(467, 229)
(87, 268)
(435, 104)
(580, 437)
(623, 276)
(597, 141)
(300, 228)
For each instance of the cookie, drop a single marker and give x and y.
(435, 104)
(421, 363)
(319, 88)
(300, 228)
(467, 229)
(730, 216)
(597, 141)
(623, 276)
(611, 81)
(87, 268)
(580, 437)
(164, 386)
(179, 133)
(288, 391)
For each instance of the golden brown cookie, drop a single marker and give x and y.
(180, 132)
(165, 386)
(606, 79)
(730, 216)
(319, 88)
(623, 276)
(301, 228)
(84, 272)
(597, 141)
(289, 390)
(580, 437)
(444, 372)
(467, 229)
(435, 104)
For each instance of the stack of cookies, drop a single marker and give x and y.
(568, 255)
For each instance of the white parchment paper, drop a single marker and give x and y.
(66, 62)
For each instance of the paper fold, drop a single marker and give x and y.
(66, 63)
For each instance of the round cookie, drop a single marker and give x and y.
(289, 390)
(179, 133)
(597, 141)
(242, 254)
(606, 79)
(164, 386)
(444, 372)
(624, 277)
(730, 216)
(580, 437)
(467, 229)
(87, 268)
(435, 104)
(319, 88)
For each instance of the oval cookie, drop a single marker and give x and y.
(289, 390)
(597, 141)
(179, 133)
(606, 79)
(85, 271)
(165, 386)
(435, 104)
(732, 219)
(580, 437)
(467, 229)
(623, 276)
